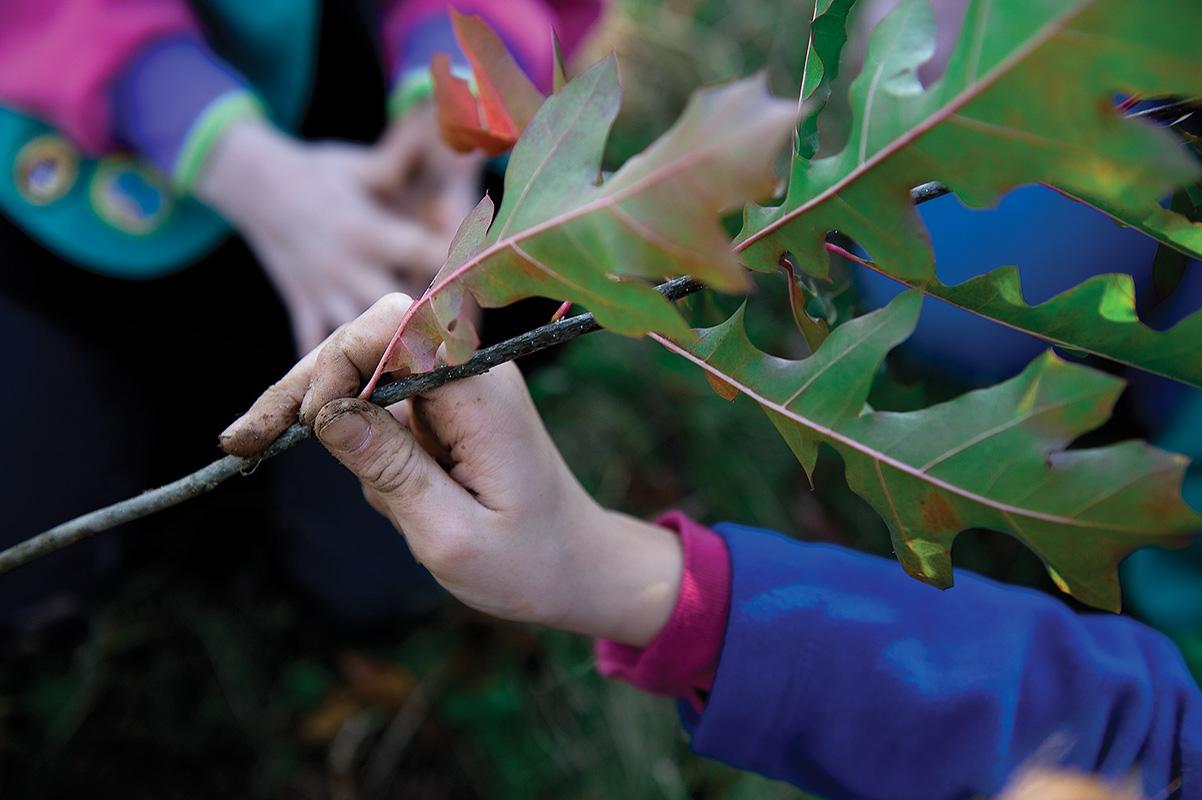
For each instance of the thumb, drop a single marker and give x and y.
(384, 455)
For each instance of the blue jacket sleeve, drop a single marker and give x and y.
(844, 676)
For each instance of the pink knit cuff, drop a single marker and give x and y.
(681, 660)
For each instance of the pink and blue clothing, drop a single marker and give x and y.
(163, 78)
(835, 671)
(102, 70)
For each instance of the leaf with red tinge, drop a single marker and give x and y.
(562, 232)
(450, 307)
(507, 99)
(458, 113)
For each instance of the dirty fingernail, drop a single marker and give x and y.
(308, 415)
(344, 431)
(228, 435)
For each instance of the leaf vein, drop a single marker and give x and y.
(852, 444)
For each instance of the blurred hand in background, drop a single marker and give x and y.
(337, 226)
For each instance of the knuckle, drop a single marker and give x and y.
(355, 342)
(394, 470)
(339, 360)
(344, 340)
(394, 303)
(337, 334)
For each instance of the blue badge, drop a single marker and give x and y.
(130, 196)
(45, 169)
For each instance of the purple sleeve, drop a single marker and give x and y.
(422, 42)
(841, 674)
(164, 92)
(59, 57)
(680, 661)
(414, 30)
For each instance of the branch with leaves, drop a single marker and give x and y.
(209, 477)
(1027, 97)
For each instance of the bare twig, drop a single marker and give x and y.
(210, 477)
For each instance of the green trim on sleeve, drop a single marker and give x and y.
(417, 85)
(218, 115)
(413, 87)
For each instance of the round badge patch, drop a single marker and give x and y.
(45, 169)
(130, 196)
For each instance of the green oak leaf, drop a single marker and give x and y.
(828, 34)
(1096, 317)
(1165, 225)
(1178, 226)
(1027, 97)
(993, 458)
(563, 232)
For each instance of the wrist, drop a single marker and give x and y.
(228, 111)
(172, 98)
(241, 162)
(625, 579)
(682, 659)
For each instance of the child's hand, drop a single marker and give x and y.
(421, 177)
(314, 216)
(470, 476)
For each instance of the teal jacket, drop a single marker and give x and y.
(116, 212)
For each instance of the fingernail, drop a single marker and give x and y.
(305, 415)
(227, 436)
(345, 431)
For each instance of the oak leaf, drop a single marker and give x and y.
(1027, 97)
(994, 458)
(504, 101)
(563, 232)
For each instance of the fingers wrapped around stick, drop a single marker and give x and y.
(336, 368)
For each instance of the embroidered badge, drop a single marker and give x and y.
(45, 169)
(129, 195)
